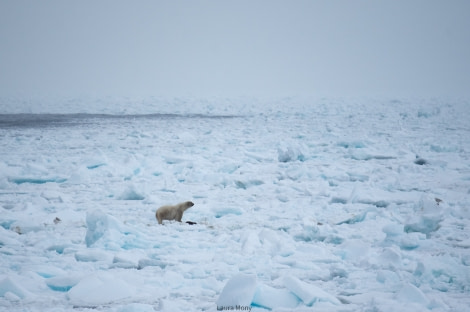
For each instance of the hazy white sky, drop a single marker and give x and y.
(231, 48)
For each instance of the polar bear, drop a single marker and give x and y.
(172, 212)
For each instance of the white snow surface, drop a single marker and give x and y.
(324, 204)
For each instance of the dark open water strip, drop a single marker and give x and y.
(65, 120)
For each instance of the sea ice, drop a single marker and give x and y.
(427, 218)
(100, 288)
(92, 255)
(308, 293)
(62, 283)
(137, 307)
(8, 288)
(410, 293)
(238, 291)
(99, 224)
(106, 231)
(272, 298)
(300, 205)
(289, 152)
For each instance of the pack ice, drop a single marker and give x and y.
(300, 204)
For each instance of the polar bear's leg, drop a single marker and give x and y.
(179, 215)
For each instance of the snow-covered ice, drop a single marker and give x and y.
(336, 205)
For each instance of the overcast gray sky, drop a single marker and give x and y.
(231, 48)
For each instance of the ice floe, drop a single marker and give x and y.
(300, 204)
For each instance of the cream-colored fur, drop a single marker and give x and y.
(172, 212)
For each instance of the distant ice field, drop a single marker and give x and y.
(300, 204)
(68, 120)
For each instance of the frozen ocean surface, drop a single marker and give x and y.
(325, 205)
